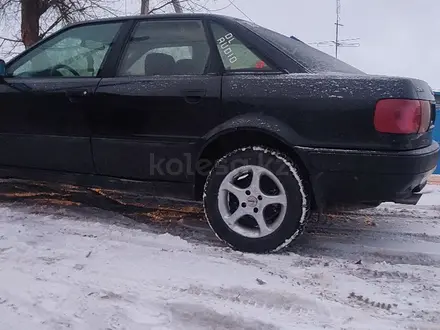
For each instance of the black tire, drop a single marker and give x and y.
(295, 186)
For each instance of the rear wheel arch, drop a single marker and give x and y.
(225, 141)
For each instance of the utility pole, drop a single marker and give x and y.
(337, 43)
(338, 24)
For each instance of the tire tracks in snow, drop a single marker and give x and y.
(407, 243)
(377, 237)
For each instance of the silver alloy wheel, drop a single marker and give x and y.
(252, 202)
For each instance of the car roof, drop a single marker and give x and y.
(157, 16)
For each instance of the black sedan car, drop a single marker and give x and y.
(261, 127)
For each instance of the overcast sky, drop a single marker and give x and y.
(397, 37)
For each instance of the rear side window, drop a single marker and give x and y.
(305, 55)
(234, 54)
(166, 48)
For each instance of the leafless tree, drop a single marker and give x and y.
(178, 6)
(28, 21)
(38, 18)
(145, 7)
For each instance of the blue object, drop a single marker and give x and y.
(436, 132)
(2, 68)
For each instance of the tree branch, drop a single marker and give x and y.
(160, 7)
(177, 6)
(10, 40)
(51, 27)
(47, 15)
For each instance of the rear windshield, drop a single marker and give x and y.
(307, 56)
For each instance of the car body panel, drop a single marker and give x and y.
(143, 121)
(44, 123)
(436, 130)
(344, 177)
(324, 110)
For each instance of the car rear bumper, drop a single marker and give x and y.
(361, 177)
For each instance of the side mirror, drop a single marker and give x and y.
(2, 68)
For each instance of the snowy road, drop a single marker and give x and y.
(66, 263)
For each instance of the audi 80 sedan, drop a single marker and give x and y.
(260, 127)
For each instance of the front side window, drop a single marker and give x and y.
(234, 54)
(77, 52)
(166, 48)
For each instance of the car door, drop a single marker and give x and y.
(46, 98)
(164, 96)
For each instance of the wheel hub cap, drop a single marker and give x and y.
(252, 202)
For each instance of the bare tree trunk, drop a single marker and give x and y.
(177, 6)
(32, 29)
(30, 22)
(145, 7)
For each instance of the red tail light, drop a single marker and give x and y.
(400, 116)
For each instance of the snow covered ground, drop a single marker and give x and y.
(67, 267)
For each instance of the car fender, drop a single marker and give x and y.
(262, 123)
(257, 122)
